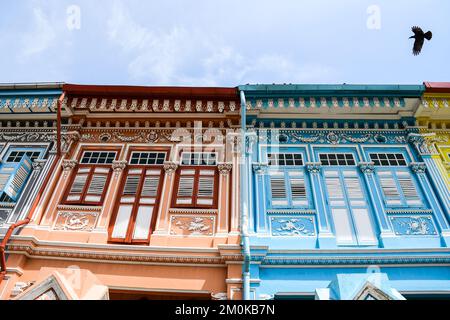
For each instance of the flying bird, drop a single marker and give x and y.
(420, 37)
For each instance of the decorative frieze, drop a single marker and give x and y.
(413, 225)
(192, 225)
(293, 226)
(75, 221)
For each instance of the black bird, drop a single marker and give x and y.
(420, 37)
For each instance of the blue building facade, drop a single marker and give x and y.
(27, 146)
(338, 201)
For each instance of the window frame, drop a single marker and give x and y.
(90, 174)
(128, 240)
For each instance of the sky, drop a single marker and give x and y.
(222, 42)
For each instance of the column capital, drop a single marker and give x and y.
(39, 164)
(225, 168)
(119, 166)
(260, 168)
(418, 167)
(314, 167)
(367, 167)
(68, 165)
(170, 167)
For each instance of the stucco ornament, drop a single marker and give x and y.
(225, 168)
(298, 226)
(170, 167)
(38, 165)
(423, 145)
(413, 225)
(68, 165)
(333, 138)
(367, 167)
(418, 167)
(260, 168)
(119, 166)
(219, 296)
(314, 167)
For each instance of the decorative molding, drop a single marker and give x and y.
(19, 136)
(293, 226)
(413, 225)
(68, 165)
(118, 167)
(314, 167)
(291, 211)
(260, 168)
(170, 167)
(367, 167)
(225, 168)
(193, 211)
(410, 211)
(39, 164)
(80, 208)
(75, 221)
(219, 296)
(192, 225)
(418, 167)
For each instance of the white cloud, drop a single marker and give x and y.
(40, 38)
(191, 56)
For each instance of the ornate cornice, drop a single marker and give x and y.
(125, 257)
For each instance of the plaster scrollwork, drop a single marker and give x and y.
(68, 138)
(422, 144)
(418, 167)
(27, 136)
(170, 167)
(314, 167)
(311, 139)
(76, 221)
(251, 139)
(225, 168)
(118, 167)
(367, 167)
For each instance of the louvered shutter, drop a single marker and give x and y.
(78, 185)
(298, 189)
(17, 178)
(97, 185)
(278, 189)
(408, 188)
(205, 194)
(389, 188)
(186, 187)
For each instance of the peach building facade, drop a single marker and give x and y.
(142, 202)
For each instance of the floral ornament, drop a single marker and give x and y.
(333, 138)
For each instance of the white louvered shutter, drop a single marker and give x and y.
(278, 189)
(78, 184)
(408, 188)
(389, 188)
(298, 189)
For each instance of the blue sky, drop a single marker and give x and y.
(222, 42)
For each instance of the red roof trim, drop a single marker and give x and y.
(140, 91)
(437, 87)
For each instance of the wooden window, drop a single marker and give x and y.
(199, 158)
(138, 204)
(90, 181)
(196, 187)
(13, 178)
(337, 159)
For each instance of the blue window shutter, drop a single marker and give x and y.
(18, 178)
